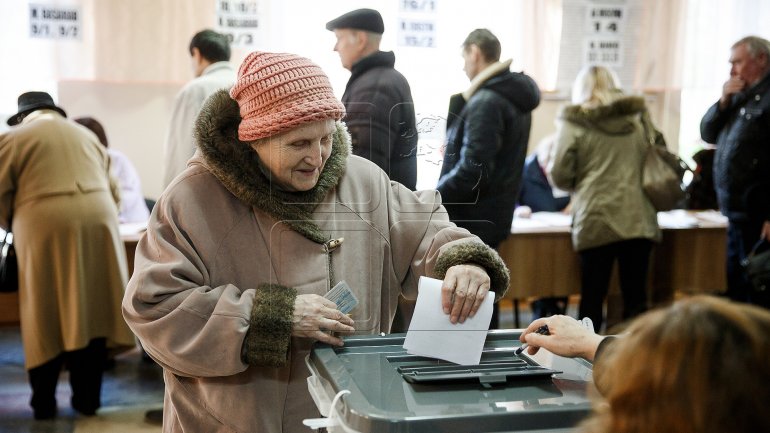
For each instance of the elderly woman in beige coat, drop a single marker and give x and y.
(58, 198)
(598, 155)
(270, 214)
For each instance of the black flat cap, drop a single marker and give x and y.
(360, 19)
(31, 101)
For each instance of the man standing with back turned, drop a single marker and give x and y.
(378, 101)
(739, 124)
(210, 54)
(487, 135)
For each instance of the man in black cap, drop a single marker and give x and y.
(380, 112)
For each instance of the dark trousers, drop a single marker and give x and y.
(741, 237)
(633, 258)
(86, 367)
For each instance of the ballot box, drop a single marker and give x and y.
(381, 388)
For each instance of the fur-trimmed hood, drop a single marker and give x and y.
(236, 165)
(615, 118)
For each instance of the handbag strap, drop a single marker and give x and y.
(650, 132)
(759, 244)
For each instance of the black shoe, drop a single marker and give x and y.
(154, 416)
(45, 414)
(83, 409)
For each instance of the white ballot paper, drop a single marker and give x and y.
(431, 333)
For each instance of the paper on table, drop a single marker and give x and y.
(132, 228)
(431, 333)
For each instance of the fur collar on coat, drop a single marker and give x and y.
(236, 165)
(602, 116)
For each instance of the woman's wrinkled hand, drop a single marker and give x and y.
(463, 291)
(317, 317)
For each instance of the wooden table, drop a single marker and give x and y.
(9, 302)
(689, 259)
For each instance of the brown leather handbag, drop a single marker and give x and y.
(662, 172)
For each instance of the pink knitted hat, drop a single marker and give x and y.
(280, 91)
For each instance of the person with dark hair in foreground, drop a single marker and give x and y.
(697, 366)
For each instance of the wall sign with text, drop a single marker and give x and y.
(240, 20)
(417, 23)
(55, 22)
(603, 44)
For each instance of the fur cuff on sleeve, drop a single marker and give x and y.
(477, 254)
(267, 340)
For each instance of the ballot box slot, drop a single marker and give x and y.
(415, 369)
(488, 355)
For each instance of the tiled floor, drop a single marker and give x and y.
(129, 389)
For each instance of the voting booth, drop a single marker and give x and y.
(373, 385)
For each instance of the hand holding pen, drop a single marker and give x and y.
(561, 335)
(543, 330)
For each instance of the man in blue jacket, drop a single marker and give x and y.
(487, 135)
(739, 124)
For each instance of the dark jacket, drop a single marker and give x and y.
(486, 145)
(536, 191)
(380, 117)
(742, 161)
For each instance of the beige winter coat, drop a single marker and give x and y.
(598, 156)
(54, 184)
(225, 256)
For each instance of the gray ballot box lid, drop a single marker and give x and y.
(514, 393)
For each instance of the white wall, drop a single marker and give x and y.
(135, 117)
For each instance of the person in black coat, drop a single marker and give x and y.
(739, 124)
(487, 135)
(378, 100)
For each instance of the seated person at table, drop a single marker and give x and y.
(537, 195)
(133, 208)
(271, 212)
(700, 191)
(697, 366)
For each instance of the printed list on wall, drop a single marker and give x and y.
(240, 21)
(417, 23)
(599, 32)
(55, 22)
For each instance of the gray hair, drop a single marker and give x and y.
(755, 46)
